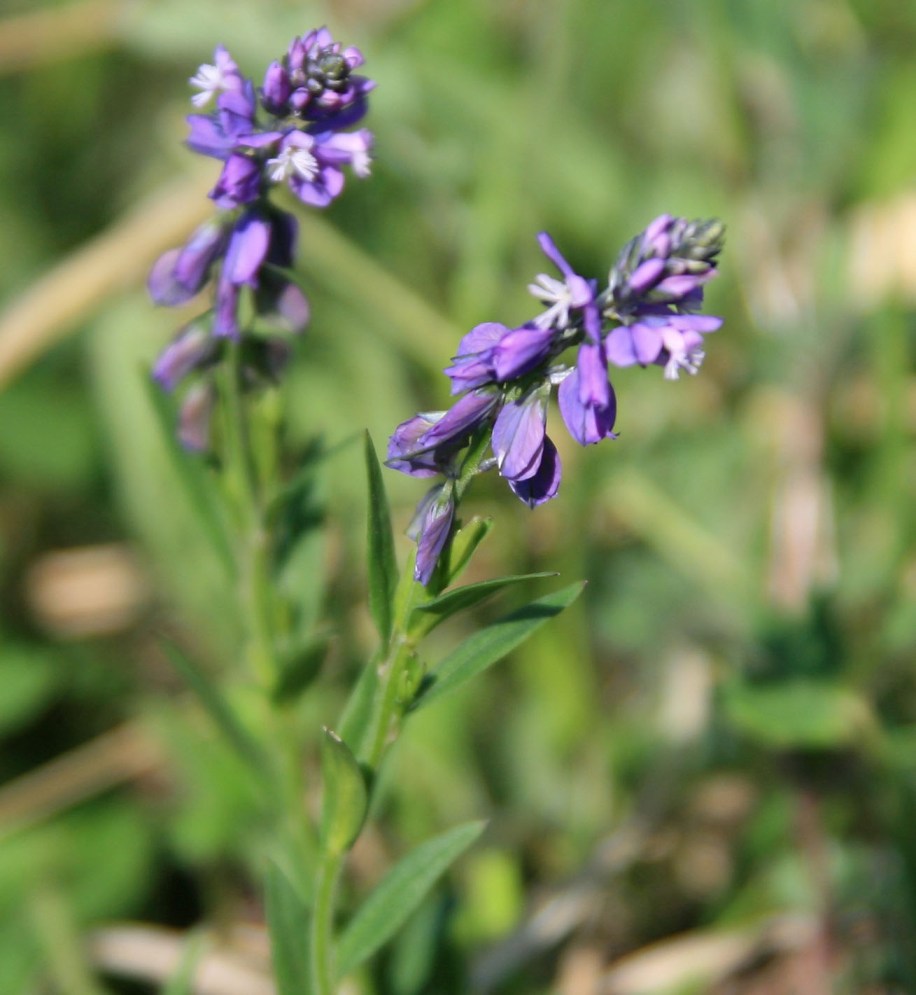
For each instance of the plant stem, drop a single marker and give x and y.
(322, 937)
(257, 603)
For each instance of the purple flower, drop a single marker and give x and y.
(494, 353)
(406, 452)
(213, 80)
(588, 421)
(247, 250)
(544, 483)
(573, 292)
(190, 350)
(431, 527)
(180, 274)
(674, 341)
(218, 134)
(239, 183)
(518, 435)
(277, 298)
(458, 423)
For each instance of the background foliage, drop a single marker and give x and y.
(699, 779)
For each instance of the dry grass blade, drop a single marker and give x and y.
(110, 759)
(118, 258)
(153, 954)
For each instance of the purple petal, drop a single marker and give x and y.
(545, 483)
(189, 350)
(481, 337)
(646, 275)
(239, 182)
(591, 367)
(434, 529)
(618, 347)
(225, 318)
(405, 452)
(587, 424)
(518, 436)
(647, 340)
(463, 417)
(247, 250)
(549, 248)
(521, 350)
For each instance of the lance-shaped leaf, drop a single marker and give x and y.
(428, 615)
(288, 923)
(400, 892)
(345, 801)
(491, 644)
(383, 571)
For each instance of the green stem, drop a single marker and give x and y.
(246, 492)
(322, 938)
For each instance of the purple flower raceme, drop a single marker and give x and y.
(296, 130)
(644, 315)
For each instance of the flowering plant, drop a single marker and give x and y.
(296, 130)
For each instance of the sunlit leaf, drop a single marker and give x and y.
(400, 892)
(489, 645)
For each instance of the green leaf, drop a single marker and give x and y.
(218, 709)
(346, 800)
(288, 923)
(491, 644)
(797, 714)
(446, 605)
(193, 476)
(383, 571)
(400, 892)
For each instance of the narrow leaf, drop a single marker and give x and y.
(491, 644)
(192, 475)
(383, 571)
(288, 923)
(346, 800)
(448, 604)
(218, 709)
(400, 892)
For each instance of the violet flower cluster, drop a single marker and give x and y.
(646, 314)
(295, 130)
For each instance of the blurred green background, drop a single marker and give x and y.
(702, 778)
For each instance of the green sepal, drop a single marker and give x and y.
(400, 892)
(486, 647)
(345, 800)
